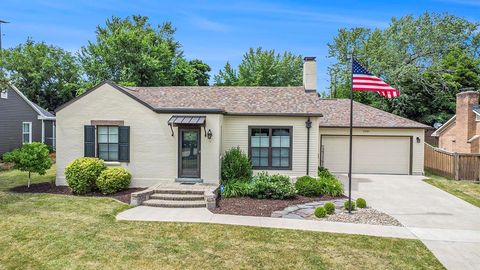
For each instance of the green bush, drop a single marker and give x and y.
(32, 158)
(272, 187)
(308, 186)
(352, 206)
(113, 180)
(324, 173)
(329, 207)
(320, 212)
(236, 189)
(236, 166)
(82, 173)
(331, 186)
(361, 203)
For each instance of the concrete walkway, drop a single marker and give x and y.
(447, 225)
(202, 215)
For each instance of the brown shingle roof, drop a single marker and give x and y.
(336, 113)
(259, 101)
(231, 100)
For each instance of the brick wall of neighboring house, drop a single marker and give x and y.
(447, 139)
(457, 137)
(465, 124)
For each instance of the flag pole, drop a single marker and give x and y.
(351, 137)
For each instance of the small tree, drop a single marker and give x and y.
(236, 166)
(31, 158)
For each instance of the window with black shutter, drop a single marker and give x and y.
(112, 142)
(89, 141)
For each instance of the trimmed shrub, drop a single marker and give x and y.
(113, 180)
(82, 173)
(308, 186)
(272, 187)
(324, 173)
(236, 166)
(352, 206)
(236, 189)
(331, 186)
(329, 207)
(361, 203)
(320, 212)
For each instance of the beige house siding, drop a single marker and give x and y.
(153, 151)
(235, 133)
(417, 148)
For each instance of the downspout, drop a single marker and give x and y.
(308, 125)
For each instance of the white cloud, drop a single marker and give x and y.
(207, 24)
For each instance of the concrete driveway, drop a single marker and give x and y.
(449, 226)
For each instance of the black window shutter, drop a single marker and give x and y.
(124, 144)
(89, 140)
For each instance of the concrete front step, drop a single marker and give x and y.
(179, 191)
(177, 197)
(175, 204)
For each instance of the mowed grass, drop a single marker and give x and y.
(466, 190)
(67, 232)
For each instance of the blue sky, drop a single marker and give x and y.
(219, 31)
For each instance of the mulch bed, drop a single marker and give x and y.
(246, 206)
(123, 196)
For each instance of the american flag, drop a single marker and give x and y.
(365, 81)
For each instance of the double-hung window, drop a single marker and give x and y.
(26, 132)
(271, 147)
(107, 139)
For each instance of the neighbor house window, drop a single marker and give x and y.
(107, 138)
(477, 117)
(271, 147)
(27, 132)
(4, 94)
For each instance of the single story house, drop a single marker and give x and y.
(22, 121)
(461, 133)
(166, 134)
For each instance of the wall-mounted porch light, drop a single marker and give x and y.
(209, 134)
(418, 139)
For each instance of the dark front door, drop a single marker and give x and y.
(189, 152)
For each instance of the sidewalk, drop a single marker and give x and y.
(202, 215)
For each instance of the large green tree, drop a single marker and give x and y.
(46, 74)
(130, 51)
(428, 58)
(263, 68)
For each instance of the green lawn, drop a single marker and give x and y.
(68, 232)
(465, 190)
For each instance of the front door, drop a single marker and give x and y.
(189, 153)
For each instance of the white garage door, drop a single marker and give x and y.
(371, 154)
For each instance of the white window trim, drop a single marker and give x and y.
(54, 133)
(29, 132)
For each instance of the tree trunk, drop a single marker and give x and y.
(29, 179)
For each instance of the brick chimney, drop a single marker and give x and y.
(310, 74)
(465, 123)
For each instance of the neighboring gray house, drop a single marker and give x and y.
(22, 121)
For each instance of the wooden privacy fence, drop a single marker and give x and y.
(452, 165)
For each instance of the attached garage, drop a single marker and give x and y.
(371, 154)
(383, 143)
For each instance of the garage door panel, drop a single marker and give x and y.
(371, 154)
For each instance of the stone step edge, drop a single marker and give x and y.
(174, 204)
(178, 197)
(178, 191)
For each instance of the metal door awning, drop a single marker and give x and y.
(186, 120)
